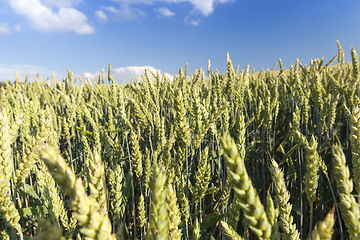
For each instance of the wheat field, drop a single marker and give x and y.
(238, 155)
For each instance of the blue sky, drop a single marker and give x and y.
(49, 36)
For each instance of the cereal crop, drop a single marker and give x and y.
(238, 155)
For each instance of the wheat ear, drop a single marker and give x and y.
(282, 200)
(97, 182)
(8, 211)
(229, 232)
(158, 216)
(272, 214)
(355, 146)
(93, 224)
(174, 214)
(50, 231)
(348, 207)
(248, 198)
(323, 230)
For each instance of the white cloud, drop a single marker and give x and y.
(169, 76)
(43, 18)
(125, 13)
(206, 7)
(111, 9)
(165, 12)
(17, 27)
(125, 74)
(191, 21)
(4, 29)
(60, 3)
(101, 16)
(91, 76)
(8, 72)
(128, 2)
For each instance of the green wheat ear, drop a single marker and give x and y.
(355, 146)
(324, 229)
(158, 216)
(356, 71)
(49, 232)
(229, 232)
(348, 206)
(174, 214)
(272, 214)
(248, 198)
(93, 224)
(8, 211)
(282, 201)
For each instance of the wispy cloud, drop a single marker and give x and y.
(17, 27)
(8, 72)
(125, 74)
(101, 16)
(127, 11)
(164, 12)
(124, 13)
(111, 9)
(42, 16)
(206, 7)
(191, 21)
(4, 29)
(61, 3)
